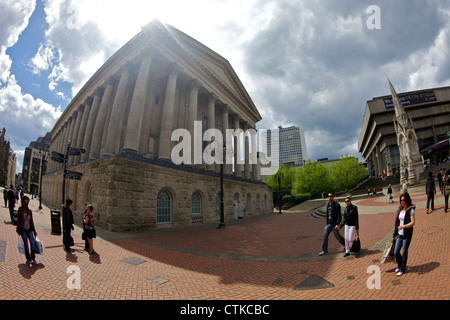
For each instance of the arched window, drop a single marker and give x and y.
(163, 207)
(196, 204)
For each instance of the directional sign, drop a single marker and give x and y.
(72, 175)
(58, 155)
(73, 152)
(72, 149)
(58, 159)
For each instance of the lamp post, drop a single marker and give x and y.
(222, 208)
(278, 177)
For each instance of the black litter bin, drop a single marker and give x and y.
(55, 216)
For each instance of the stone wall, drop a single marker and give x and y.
(124, 191)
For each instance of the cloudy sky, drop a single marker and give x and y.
(309, 63)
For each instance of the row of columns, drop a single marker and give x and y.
(96, 124)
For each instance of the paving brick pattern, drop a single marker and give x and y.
(264, 258)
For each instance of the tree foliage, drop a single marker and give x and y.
(346, 173)
(314, 178)
(286, 182)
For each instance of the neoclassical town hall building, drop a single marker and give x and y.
(124, 117)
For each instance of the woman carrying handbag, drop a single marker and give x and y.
(89, 229)
(403, 231)
(26, 229)
(351, 227)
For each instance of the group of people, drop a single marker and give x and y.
(404, 223)
(443, 181)
(11, 197)
(335, 223)
(27, 230)
(89, 232)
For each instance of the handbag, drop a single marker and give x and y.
(388, 252)
(356, 246)
(36, 247)
(39, 245)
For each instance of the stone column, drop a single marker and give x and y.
(83, 125)
(76, 132)
(247, 173)
(167, 113)
(65, 139)
(254, 155)
(211, 122)
(88, 136)
(227, 166)
(134, 124)
(237, 148)
(100, 121)
(115, 122)
(72, 127)
(193, 110)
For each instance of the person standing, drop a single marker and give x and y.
(334, 217)
(403, 231)
(25, 229)
(446, 183)
(67, 219)
(89, 229)
(351, 224)
(430, 190)
(12, 204)
(389, 193)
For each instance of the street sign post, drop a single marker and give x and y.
(73, 175)
(62, 158)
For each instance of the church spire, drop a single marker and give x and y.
(411, 162)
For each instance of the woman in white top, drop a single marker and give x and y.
(404, 223)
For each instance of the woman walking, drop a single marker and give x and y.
(25, 229)
(404, 223)
(351, 224)
(89, 230)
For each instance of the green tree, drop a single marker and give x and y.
(312, 178)
(346, 173)
(286, 182)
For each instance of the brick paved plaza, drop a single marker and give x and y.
(273, 257)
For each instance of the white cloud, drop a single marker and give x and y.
(5, 65)
(43, 59)
(23, 116)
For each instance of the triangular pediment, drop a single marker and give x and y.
(211, 63)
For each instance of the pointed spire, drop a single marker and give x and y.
(395, 100)
(400, 113)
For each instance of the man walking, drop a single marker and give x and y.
(430, 190)
(334, 217)
(12, 204)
